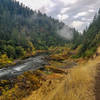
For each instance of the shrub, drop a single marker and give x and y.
(90, 52)
(20, 51)
(10, 51)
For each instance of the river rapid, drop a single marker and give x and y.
(30, 64)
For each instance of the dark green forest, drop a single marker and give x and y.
(23, 29)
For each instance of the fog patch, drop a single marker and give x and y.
(66, 32)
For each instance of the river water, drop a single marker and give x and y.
(32, 63)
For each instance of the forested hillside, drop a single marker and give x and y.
(24, 29)
(91, 38)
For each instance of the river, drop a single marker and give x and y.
(32, 63)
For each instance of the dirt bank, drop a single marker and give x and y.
(97, 83)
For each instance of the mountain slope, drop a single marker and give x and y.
(18, 22)
(21, 26)
(90, 39)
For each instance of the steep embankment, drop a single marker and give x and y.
(97, 78)
(97, 85)
(78, 84)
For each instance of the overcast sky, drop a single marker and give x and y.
(75, 13)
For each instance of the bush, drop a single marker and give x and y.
(4, 60)
(10, 51)
(90, 52)
(20, 51)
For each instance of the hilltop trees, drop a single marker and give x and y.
(91, 37)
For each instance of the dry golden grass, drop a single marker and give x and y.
(78, 84)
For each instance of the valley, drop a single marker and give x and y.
(42, 58)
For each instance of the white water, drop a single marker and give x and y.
(29, 64)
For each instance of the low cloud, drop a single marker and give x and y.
(66, 32)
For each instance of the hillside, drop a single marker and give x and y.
(91, 38)
(21, 26)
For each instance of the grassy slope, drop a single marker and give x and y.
(78, 84)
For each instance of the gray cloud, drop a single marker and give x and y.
(75, 13)
(90, 7)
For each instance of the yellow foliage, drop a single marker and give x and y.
(4, 60)
(23, 87)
